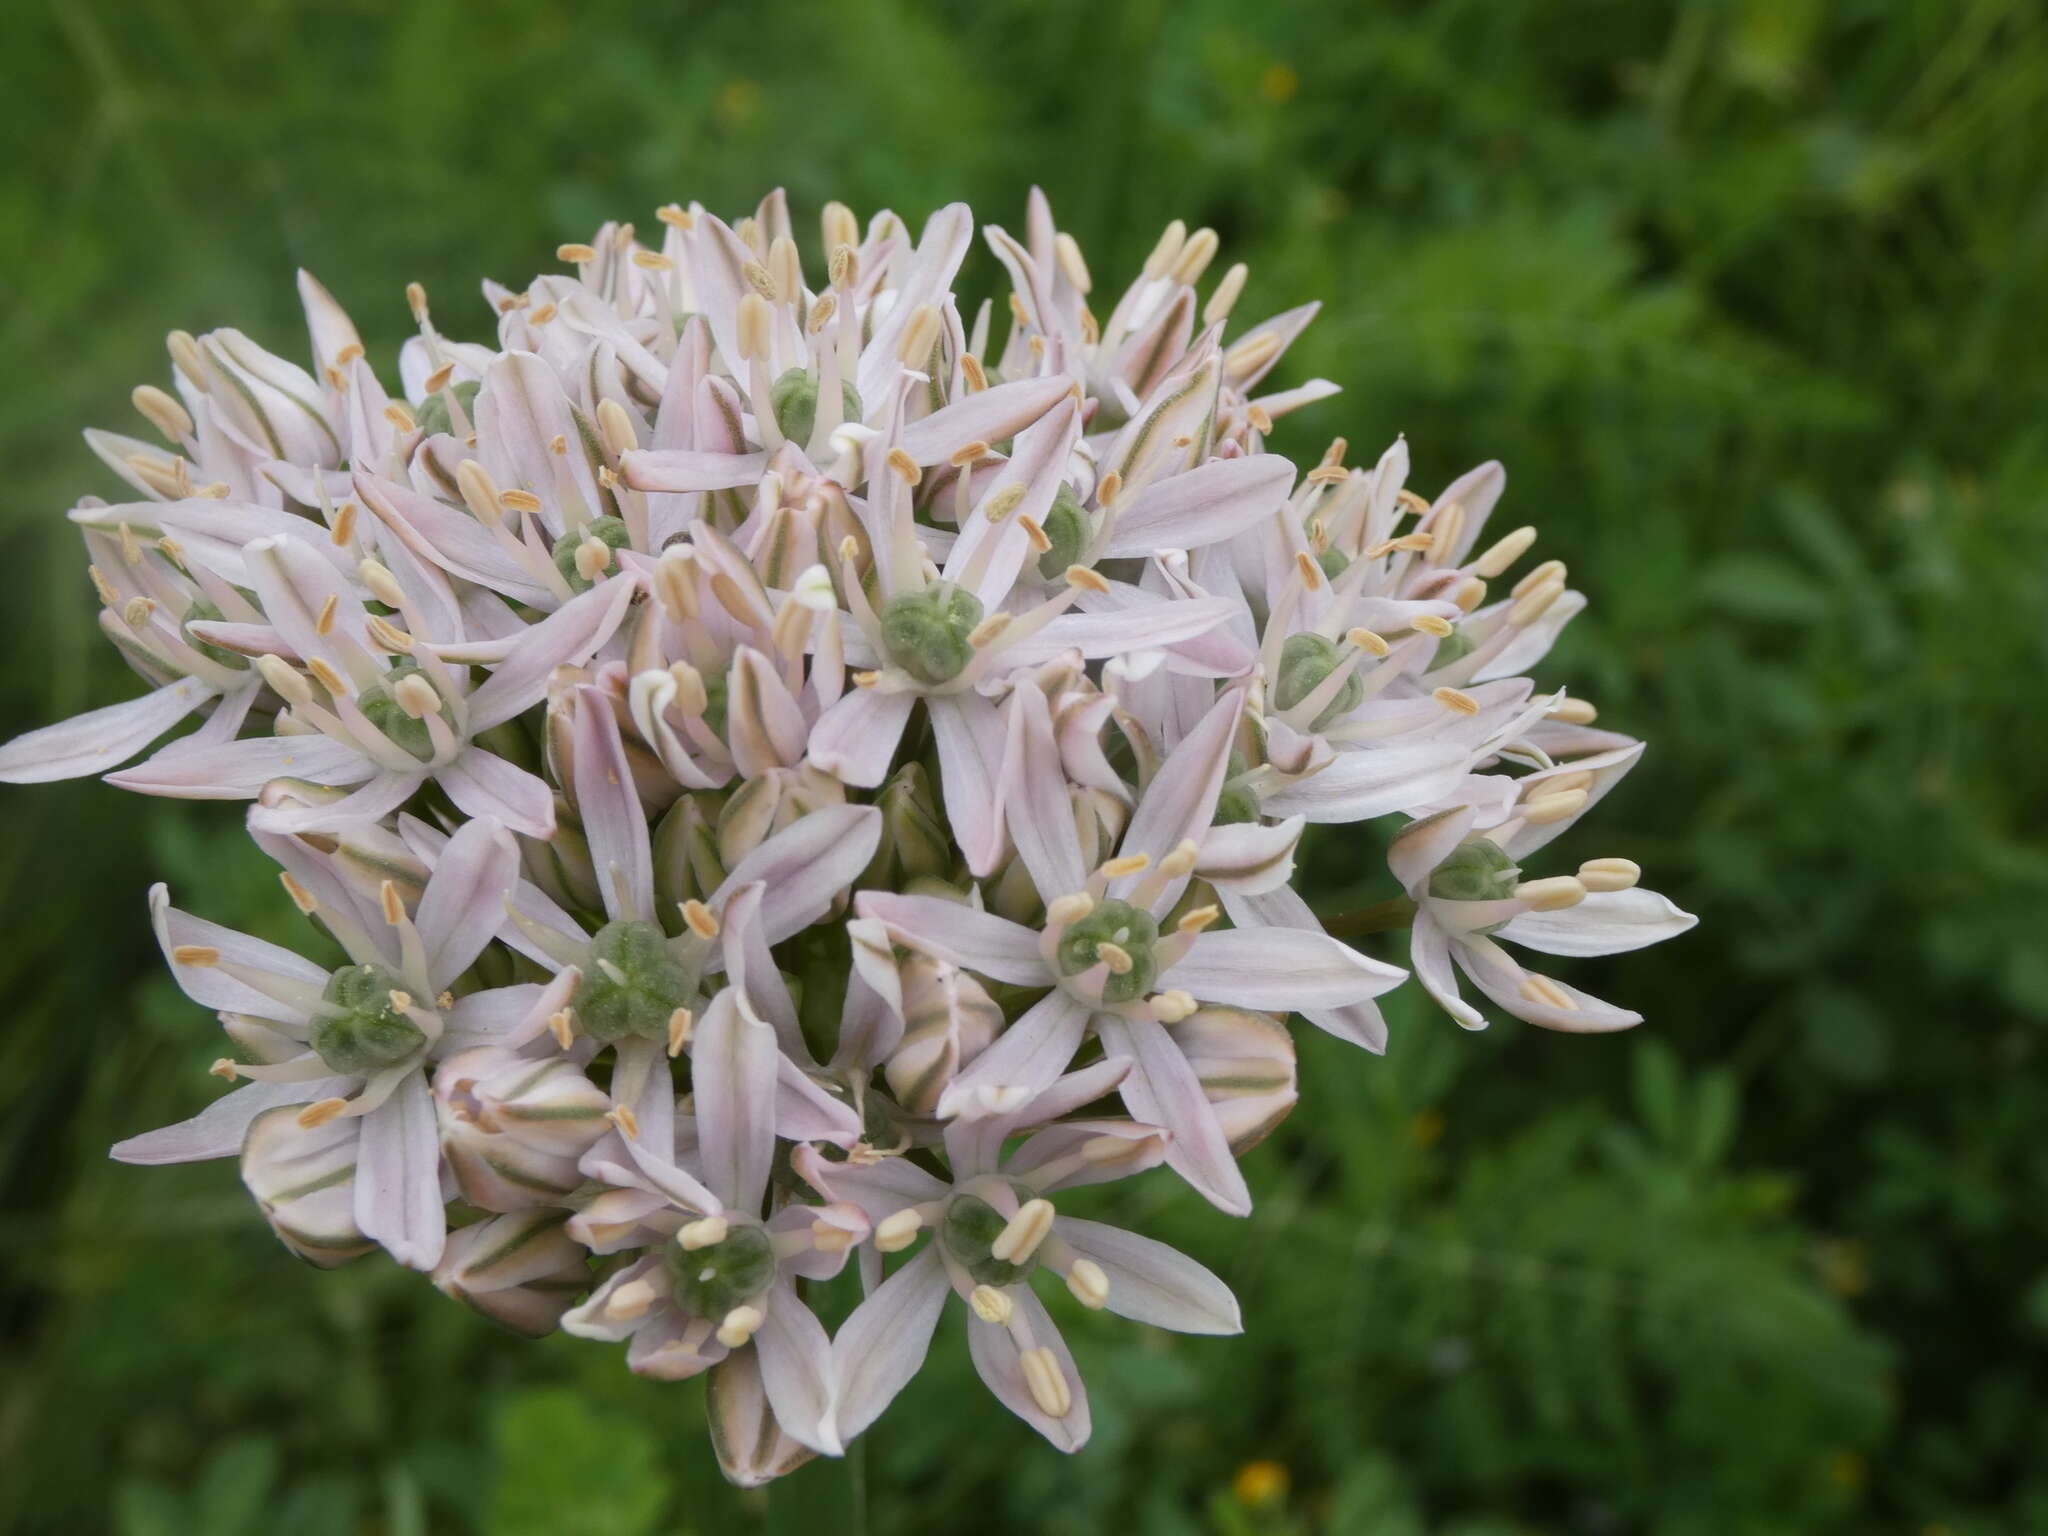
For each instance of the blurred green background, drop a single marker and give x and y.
(1749, 295)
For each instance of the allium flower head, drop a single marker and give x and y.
(802, 778)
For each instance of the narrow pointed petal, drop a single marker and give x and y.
(484, 784)
(732, 1065)
(99, 739)
(1026, 1058)
(217, 1130)
(855, 740)
(1034, 797)
(1152, 1283)
(398, 1176)
(796, 1367)
(970, 734)
(1279, 969)
(235, 770)
(464, 903)
(568, 637)
(806, 865)
(1162, 1090)
(609, 806)
(998, 1361)
(373, 801)
(1180, 802)
(1207, 504)
(883, 1343)
(960, 935)
(992, 416)
(1605, 923)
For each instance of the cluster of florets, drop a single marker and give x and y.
(780, 775)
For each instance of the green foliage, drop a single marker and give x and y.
(1746, 294)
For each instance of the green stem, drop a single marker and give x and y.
(827, 1494)
(1380, 917)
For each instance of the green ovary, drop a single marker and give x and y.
(633, 984)
(925, 633)
(1131, 929)
(364, 1033)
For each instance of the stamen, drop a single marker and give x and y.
(163, 411)
(1108, 488)
(575, 253)
(1067, 254)
(1089, 1284)
(754, 321)
(1080, 576)
(1549, 570)
(1554, 894)
(1469, 594)
(416, 696)
(701, 919)
(897, 1231)
(325, 675)
(679, 1024)
(675, 216)
(201, 955)
(1046, 1381)
(1572, 712)
(707, 1233)
(1224, 299)
(1432, 624)
(1369, 642)
(1169, 1008)
(920, 334)
(1541, 989)
(740, 1325)
(344, 528)
(905, 466)
(1115, 956)
(1457, 703)
(629, 1301)
(562, 1025)
(226, 1067)
(627, 1123)
(1067, 909)
(1541, 810)
(437, 381)
(1195, 920)
(1311, 573)
(1036, 535)
(302, 898)
(1503, 553)
(382, 584)
(318, 1113)
(1195, 256)
(1129, 864)
(990, 1304)
(1609, 874)
(1022, 1234)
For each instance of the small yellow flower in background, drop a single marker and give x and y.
(737, 101)
(1260, 1483)
(1848, 1471)
(1427, 1128)
(1844, 1266)
(1279, 82)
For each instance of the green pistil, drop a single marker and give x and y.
(1305, 660)
(710, 1282)
(364, 1033)
(610, 531)
(969, 1230)
(925, 633)
(1131, 929)
(633, 984)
